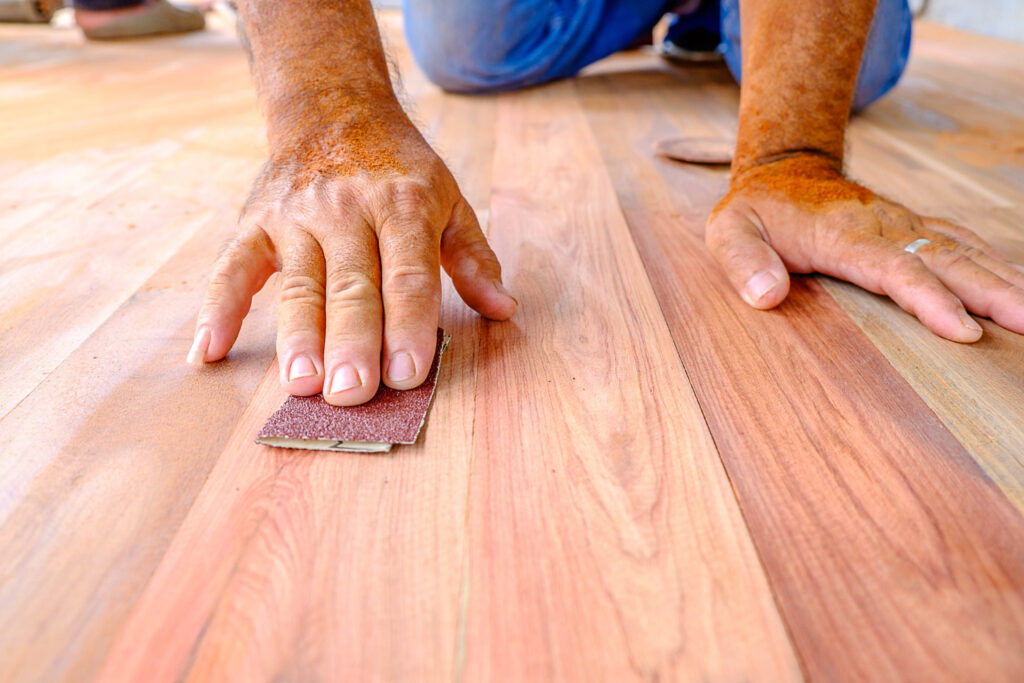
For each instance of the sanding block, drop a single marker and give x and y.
(390, 417)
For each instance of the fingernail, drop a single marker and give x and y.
(504, 292)
(759, 285)
(345, 378)
(969, 322)
(301, 367)
(197, 353)
(401, 367)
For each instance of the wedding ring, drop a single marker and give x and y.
(916, 244)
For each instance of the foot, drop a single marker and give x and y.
(694, 35)
(149, 17)
(89, 19)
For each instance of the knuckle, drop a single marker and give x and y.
(906, 264)
(411, 281)
(301, 289)
(346, 287)
(478, 250)
(957, 255)
(904, 273)
(409, 193)
(219, 285)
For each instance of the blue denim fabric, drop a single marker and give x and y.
(495, 45)
(885, 55)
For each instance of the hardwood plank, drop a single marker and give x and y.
(938, 126)
(605, 543)
(883, 540)
(974, 393)
(120, 191)
(341, 567)
(95, 195)
(101, 462)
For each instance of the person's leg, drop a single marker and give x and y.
(492, 45)
(885, 55)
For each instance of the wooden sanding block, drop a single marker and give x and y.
(390, 417)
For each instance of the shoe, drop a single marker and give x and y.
(695, 36)
(160, 17)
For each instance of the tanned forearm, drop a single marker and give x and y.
(320, 69)
(791, 209)
(800, 65)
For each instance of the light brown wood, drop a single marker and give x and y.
(635, 478)
(82, 227)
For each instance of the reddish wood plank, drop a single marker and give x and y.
(883, 540)
(327, 567)
(605, 543)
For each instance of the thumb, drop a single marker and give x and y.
(735, 239)
(473, 267)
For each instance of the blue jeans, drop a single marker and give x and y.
(495, 45)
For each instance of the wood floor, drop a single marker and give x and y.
(637, 478)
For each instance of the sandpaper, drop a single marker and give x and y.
(390, 417)
(710, 151)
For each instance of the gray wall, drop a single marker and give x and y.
(999, 18)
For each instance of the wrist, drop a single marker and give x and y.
(320, 116)
(808, 162)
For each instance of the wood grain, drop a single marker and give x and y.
(854, 491)
(102, 461)
(566, 514)
(342, 568)
(83, 227)
(604, 539)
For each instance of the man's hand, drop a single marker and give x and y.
(358, 226)
(799, 214)
(353, 208)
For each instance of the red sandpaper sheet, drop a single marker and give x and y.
(390, 417)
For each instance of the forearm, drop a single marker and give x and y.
(319, 66)
(800, 65)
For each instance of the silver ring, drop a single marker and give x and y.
(916, 244)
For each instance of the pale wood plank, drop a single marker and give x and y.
(101, 462)
(883, 540)
(605, 543)
(107, 168)
(110, 169)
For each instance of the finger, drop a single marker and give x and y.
(951, 249)
(982, 291)
(960, 234)
(411, 294)
(354, 313)
(752, 266)
(300, 316)
(241, 271)
(473, 267)
(879, 266)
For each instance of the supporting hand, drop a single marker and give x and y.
(799, 214)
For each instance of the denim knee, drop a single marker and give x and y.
(495, 45)
(885, 54)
